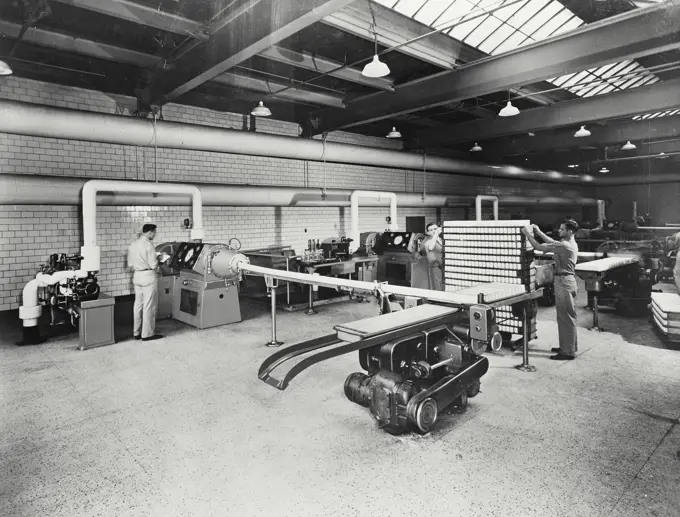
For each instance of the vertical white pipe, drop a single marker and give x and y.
(478, 206)
(90, 250)
(354, 212)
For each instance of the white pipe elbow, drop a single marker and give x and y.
(30, 310)
(478, 206)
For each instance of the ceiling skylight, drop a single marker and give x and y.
(497, 26)
(658, 114)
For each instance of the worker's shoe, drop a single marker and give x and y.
(138, 337)
(557, 350)
(562, 357)
(152, 338)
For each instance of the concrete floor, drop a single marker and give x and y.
(183, 427)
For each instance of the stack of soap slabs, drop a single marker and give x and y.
(482, 252)
(666, 314)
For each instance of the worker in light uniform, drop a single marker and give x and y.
(565, 252)
(675, 243)
(432, 247)
(143, 260)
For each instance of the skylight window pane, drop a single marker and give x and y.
(581, 77)
(431, 11)
(609, 70)
(590, 90)
(484, 30)
(607, 88)
(637, 117)
(409, 7)
(547, 30)
(387, 3)
(541, 17)
(504, 13)
(654, 79)
(572, 24)
(509, 44)
(561, 80)
(503, 32)
(645, 117)
(455, 13)
(525, 13)
(634, 82)
(655, 115)
(462, 30)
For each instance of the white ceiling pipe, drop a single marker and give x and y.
(354, 212)
(90, 251)
(18, 189)
(47, 121)
(478, 206)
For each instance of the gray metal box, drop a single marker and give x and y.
(96, 322)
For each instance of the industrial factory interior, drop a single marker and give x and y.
(309, 258)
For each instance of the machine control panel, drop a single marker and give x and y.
(481, 321)
(187, 255)
(397, 241)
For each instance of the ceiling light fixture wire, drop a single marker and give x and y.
(500, 4)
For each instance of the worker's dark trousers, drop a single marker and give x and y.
(436, 276)
(565, 305)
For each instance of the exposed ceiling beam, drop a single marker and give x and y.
(55, 40)
(89, 48)
(649, 150)
(142, 14)
(265, 24)
(657, 97)
(271, 87)
(613, 133)
(626, 36)
(322, 65)
(394, 29)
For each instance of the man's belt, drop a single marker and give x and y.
(564, 274)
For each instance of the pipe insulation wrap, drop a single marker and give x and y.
(46, 121)
(18, 189)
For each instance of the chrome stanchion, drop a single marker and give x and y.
(273, 284)
(310, 309)
(525, 366)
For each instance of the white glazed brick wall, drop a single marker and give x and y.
(29, 234)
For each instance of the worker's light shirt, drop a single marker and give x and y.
(565, 254)
(142, 255)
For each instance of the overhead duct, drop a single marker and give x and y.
(18, 189)
(46, 121)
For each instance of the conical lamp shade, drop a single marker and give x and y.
(376, 68)
(476, 148)
(628, 146)
(509, 110)
(5, 69)
(393, 134)
(582, 132)
(261, 111)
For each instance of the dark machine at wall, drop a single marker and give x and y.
(418, 362)
(73, 298)
(64, 297)
(189, 290)
(399, 262)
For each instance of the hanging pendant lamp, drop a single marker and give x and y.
(375, 68)
(509, 110)
(628, 146)
(583, 132)
(476, 148)
(261, 110)
(393, 134)
(5, 69)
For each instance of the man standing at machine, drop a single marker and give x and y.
(432, 248)
(565, 252)
(143, 260)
